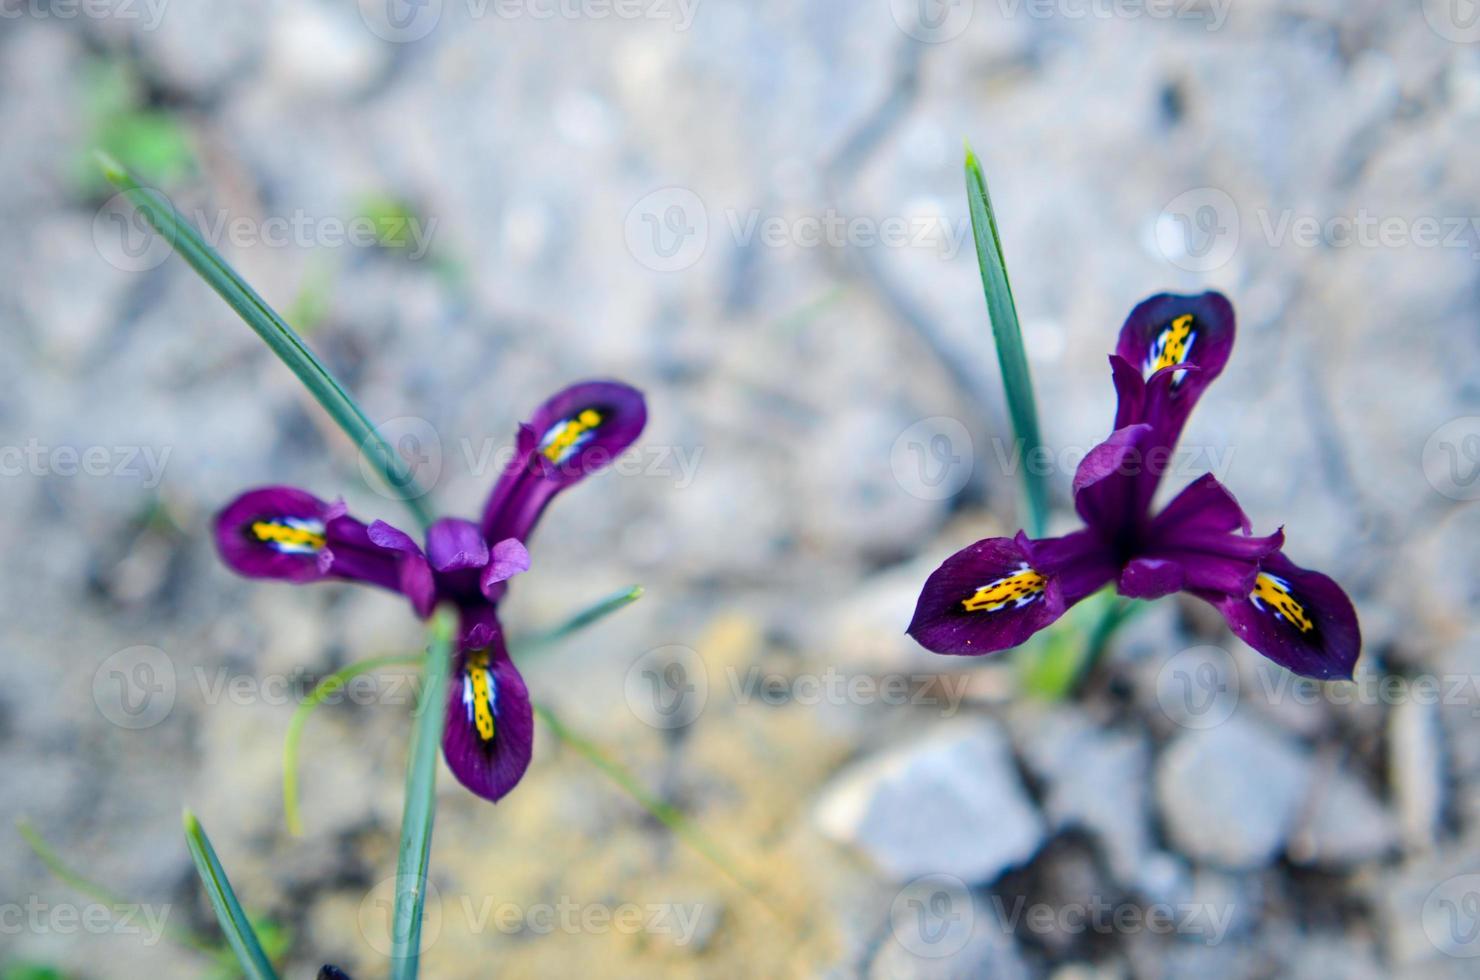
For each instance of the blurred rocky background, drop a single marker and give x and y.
(754, 211)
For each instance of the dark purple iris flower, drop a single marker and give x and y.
(998, 592)
(286, 533)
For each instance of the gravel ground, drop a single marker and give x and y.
(755, 212)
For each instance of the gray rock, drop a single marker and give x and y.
(1096, 780)
(988, 953)
(952, 803)
(1231, 795)
(1345, 825)
(1416, 771)
(1426, 911)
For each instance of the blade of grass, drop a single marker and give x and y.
(101, 893)
(239, 932)
(598, 610)
(322, 691)
(665, 813)
(275, 332)
(1001, 308)
(421, 803)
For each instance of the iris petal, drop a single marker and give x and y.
(489, 733)
(577, 432)
(998, 592)
(289, 534)
(1205, 533)
(1182, 342)
(1298, 618)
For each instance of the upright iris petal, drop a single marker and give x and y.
(576, 433)
(1199, 541)
(489, 734)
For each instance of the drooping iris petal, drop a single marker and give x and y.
(998, 592)
(1170, 334)
(1298, 618)
(287, 533)
(489, 732)
(1201, 542)
(576, 433)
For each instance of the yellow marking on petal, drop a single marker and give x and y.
(291, 535)
(565, 437)
(1173, 345)
(1272, 593)
(479, 692)
(1017, 590)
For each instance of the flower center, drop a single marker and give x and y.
(563, 438)
(291, 535)
(1272, 594)
(1173, 345)
(1016, 590)
(480, 694)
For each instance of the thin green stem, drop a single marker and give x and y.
(419, 815)
(275, 332)
(322, 691)
(1117, 611)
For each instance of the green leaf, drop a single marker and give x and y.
(1062, 656)
(75, 880)
(1016, 381)
(239, 931)
(322, 691)
(598, 610)
(275, 332)
(421, 802)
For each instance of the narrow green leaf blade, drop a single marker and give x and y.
(421, 803)
(598, 610)
(275, 332)
(1016, 381)
(239, 932)
(330, 685)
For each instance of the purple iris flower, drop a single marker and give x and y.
(286, 533)
(998, 592)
